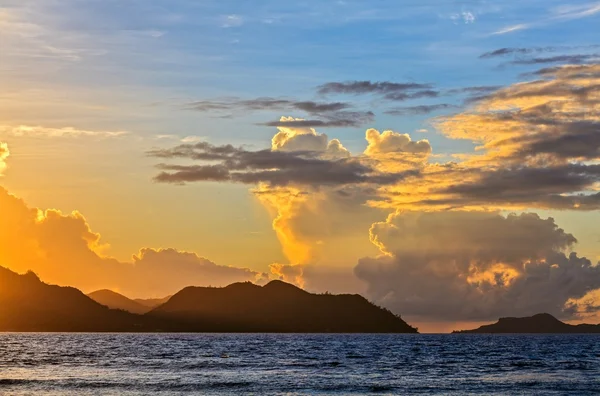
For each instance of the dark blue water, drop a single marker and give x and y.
(165, 364)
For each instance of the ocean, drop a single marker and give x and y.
(290, 364)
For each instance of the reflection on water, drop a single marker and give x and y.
(97, 364)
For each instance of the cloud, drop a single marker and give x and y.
(266, 103)
(475, 266)
(513, 28)
(559, 14)
(39, 131)
(307, 140)
(327, 114)
(419, 110)
(275, 167)
(571, 59)
(538, 147)
(402, 96)
(230, 21)
(320, 228)
(531, 50)
(340, 119)
(568, 12)
(390, 142)
(314, 188)
(474, 93)
(62, 249)
(466, 17)
(368, 87)
(388, 90)
(4, 153)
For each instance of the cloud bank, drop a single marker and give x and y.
(475, 266)
(62, 249)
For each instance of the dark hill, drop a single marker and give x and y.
(541, 323)
(27, 304)
(276, 307)
(115, 300)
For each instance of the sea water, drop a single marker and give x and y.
(173, 364)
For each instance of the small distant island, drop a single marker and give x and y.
(29, 305)
(538, 324)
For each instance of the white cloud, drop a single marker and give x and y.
(510, 29)
(466, 17)
(559, 14)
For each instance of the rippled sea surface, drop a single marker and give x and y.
(170, 364)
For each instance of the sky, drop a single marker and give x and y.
(441, 158)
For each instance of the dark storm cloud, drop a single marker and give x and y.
(276, 168)
(418, 110)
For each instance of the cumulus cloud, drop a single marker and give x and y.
(339, 119)
(62, 249)
(475, 266)
(298, 158)
(304, 139)
(390, 142)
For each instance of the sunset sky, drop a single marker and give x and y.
(442, 158)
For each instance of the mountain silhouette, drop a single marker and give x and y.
(540, 323)
(276, 307)
(27, 304)
(115, 300)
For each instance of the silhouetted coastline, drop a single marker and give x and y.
(29, 305)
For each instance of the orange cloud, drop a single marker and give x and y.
(62, 249)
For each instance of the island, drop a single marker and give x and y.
(538, 324)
